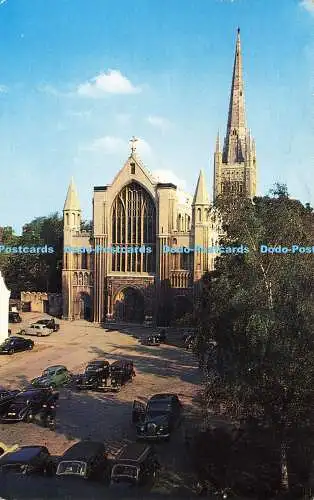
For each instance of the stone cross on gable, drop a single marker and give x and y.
(133, 142)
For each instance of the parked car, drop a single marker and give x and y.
(121, 371)
(161, 336)
(95, 377)
(54, 376)
(28, 404)
(14, 317)
(16, 344)
(86, 459)
(6, 398)
(38, 330)
(136, 464)
(5, 448)
(49, 323)
(28, 460)
(153, 340)
(158, 418)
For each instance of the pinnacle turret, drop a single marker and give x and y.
(201, 194)
(72, 200)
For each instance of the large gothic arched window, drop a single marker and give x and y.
(133, 227)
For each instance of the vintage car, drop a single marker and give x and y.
(16, 344)
(38, 330)
(95, 377)
(53, 376)
(86, 459)
(151, 340)
(28, 460)
(4, 448)
(14, 317)
(135, 465)
(161, 336)
(28, 404)
(49, 323)
(121, 371)
(6, 398)
(158, 418)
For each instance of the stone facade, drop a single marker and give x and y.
(138, 212)
(42, 302)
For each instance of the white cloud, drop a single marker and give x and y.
(3, 88)
(169, 176)
(80, 114)
(112, 82)
(308, 5)
(143, 148)
(107, 145)
(159, 122)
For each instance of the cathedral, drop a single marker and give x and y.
(148, 246)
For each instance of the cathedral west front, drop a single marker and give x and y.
(145, 253)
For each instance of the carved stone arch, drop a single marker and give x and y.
(133, 224)
(75, 279)
(129, 304)
(80, 280)
(86, 280)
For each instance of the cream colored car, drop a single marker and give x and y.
(38, 330)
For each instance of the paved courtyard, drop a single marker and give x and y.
(105, 417)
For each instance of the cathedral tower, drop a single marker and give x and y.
(235, 165)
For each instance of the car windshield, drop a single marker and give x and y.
(155, 409)
(125, 470)
(72, 467)
(6, 342)
(49, 371)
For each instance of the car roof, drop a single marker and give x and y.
(121, 362)
(133, 452)
(166, 397)
(25, 453)
(83, 450)
(55, 367)
(98, 362)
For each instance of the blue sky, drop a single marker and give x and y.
(79, 78)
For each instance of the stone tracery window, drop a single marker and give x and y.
(134, 225)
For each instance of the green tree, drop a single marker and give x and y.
(37, 272)
(259, 308)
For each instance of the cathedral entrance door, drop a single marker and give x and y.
(129, 306)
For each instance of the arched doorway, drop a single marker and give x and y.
(129, 305)
(83, 306)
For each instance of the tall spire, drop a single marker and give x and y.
(201, 195)
(236, 127)
(72, 201)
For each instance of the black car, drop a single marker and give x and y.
(161, 336)
(6, 398)
(28, 404)
(86, 459)
(157, 419)
(28, 460)
(14, 317)
(16, 344)
(95, 377)
(121, 371)
(135, 465)
(153, 340)
(49, 323)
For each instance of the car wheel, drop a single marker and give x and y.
(31, 346)
(11, 351)
(23, 332)
(39, 334)
(29, 417)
